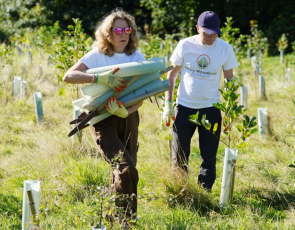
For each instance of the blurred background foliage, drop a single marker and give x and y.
(160, 17)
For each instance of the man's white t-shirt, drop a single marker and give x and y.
(201, 70)
(95, 59)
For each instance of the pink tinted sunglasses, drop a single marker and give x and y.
(119, 30)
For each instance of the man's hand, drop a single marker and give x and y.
(116, 108)
(168, 113)
(109, 79)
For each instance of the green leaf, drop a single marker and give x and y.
(240, 128)
(203, 120)
(61, 91)
(247, 118)
(207, 125)
(215, 128)
(236, 87)
(226, 120)
(59, 66)
(193, 117)
(254, 131)
(241, 145)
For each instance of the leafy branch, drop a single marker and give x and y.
(232, 112)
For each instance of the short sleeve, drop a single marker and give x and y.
(90, 59)
(176, 57)
(231, 60)
(140, 56)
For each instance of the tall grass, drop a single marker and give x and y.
(264, 195)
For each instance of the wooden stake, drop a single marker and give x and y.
(232, 183)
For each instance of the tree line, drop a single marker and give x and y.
(274, 17)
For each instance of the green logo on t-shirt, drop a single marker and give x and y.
(203, 64)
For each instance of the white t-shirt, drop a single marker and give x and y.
(201, 70)
(95, 59)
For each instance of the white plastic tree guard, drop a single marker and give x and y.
(27, 217)
(29, 56)
(23, 90)
(249, 53)
(126, 70)
(141, 81)
(19, 50)
(262, 122)
(261, 87)
(253, 62)
(40, 70)
(24, 67)
(244, 96)
(49, 60)
(140, 94)
(38, 107)
(16, 86)
(288, 76)
(78, 135)
(227, 185)
(281, 56)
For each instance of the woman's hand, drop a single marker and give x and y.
(116, 108)
(109, 79)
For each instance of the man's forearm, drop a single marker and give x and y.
(172, 78)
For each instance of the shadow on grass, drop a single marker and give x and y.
(10, 208)
(271, 204)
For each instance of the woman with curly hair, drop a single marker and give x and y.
(116, 42)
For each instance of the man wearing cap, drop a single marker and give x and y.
(202, 58)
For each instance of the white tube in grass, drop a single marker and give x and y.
(29, 56)
(19, 50)
(288, 76)
(27, 217)
(23, 90)
(249, 53)
(253, 62)
(244, 96)
(230, 154)
(40, 70)
(262, 122)
(281, 56)
(16, 86)
(49, 60)
(38, 107)
(24, 67)
(261, 87)
(78, 135)
(260, 66)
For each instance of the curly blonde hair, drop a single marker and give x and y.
(103, 39)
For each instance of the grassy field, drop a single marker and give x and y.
(264, 196)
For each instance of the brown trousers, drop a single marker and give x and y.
(112, 136)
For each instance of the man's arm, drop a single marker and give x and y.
(172, 78)
(228, 74)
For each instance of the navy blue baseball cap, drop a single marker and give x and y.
(210, 22)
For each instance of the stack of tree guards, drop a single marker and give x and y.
(143, 81)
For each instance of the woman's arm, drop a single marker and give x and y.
(133, 108)
(75, 74)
